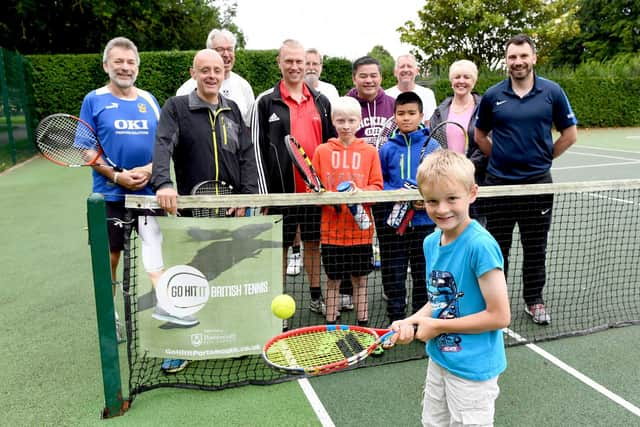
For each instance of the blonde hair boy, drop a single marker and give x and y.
(468, 300)
(345, 106)
(448, 166)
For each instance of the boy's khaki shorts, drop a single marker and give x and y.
(453, 401)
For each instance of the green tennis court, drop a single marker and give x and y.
(50, 347)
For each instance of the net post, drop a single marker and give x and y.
(109, 359)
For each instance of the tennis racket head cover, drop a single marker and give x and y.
(68, 141)
(213, 188)
(318, 350)
(302, 163)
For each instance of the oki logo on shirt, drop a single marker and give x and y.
(131, 124)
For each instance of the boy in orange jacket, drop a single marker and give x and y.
(346, 244)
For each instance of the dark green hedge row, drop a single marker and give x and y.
(61, 81)
(600, 101)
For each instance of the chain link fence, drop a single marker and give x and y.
(17, 110)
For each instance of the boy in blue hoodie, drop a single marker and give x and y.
(400, 158)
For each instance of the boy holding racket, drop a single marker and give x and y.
(399, 159)
(468, 300)
(346, 246)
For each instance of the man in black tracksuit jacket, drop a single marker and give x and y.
(207, 139)
(291, 107)
(275, 170)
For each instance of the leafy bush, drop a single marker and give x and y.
(602, 94)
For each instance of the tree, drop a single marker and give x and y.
(84, 26)
(476, 29)
(560, 26)
(607, 28)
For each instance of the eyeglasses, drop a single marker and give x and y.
(222, 50)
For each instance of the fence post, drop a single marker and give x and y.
(26, 105)
(4, 88)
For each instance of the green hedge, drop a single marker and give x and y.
(606, 98)
(598, 100)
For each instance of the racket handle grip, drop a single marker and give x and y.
(405, 222)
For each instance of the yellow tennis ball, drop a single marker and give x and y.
(283, 306)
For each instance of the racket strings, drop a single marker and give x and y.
(316, 349)
(439, 135)
(66, 140)
(212, 188)
(386, 132)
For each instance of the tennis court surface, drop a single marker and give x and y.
(52, 373)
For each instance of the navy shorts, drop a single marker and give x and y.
(116, 221)
(308, 217)
(342, 262)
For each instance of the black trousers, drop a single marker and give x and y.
(533, 216)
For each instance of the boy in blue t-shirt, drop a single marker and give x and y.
(468, 300)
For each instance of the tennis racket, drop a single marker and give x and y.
(319, 350)
(447, 134)
(416, 205)
(387, 131)
(69, 141)
(303, 165)
(413, 207)
(217, 188)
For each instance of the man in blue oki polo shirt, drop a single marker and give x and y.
(520, 112)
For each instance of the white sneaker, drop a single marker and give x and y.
(187, 321)
(538, 313)
(375, 261)
(295, 264)
(318, 306)
(346, 302)
(119, 337)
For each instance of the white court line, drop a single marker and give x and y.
(316, 404)
(601, 155)
(326, 421)
(615, 150)
(615, 199)
(600, 165)
(576, 374)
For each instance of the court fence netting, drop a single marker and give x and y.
(590, 271)
(17, 110)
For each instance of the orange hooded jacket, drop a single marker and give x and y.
(357, 162)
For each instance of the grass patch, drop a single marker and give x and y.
(24, 150)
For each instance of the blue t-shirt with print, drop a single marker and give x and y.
(452, 284)
(126, 130)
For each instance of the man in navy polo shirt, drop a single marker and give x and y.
(520, 112)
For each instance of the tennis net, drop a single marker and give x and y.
(592, 274)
